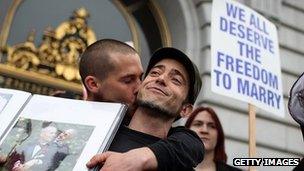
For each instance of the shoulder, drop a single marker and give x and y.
(184, 134)
(136, 134)
(181, 130)
(127, 139)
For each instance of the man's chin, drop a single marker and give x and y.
(157, 110)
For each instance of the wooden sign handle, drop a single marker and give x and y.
(252, 132)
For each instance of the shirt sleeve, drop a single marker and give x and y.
(182, 150)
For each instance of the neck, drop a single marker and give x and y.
(144, 122)
(207, 163)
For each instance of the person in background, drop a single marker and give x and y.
(206, 124)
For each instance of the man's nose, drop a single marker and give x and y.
(161, 79)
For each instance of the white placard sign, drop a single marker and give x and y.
(245, 56)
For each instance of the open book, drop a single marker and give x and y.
(48, 133)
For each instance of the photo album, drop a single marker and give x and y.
(40, 132)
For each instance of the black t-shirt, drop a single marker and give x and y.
(182, 150)
(127, 139)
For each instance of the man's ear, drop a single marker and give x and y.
(92, 84)
(186, 110)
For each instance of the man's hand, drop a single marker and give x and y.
(18, 166)
(2, 159)
(99, 159)
(137, 159)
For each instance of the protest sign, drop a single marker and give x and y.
(245, 56)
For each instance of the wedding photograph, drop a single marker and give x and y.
(43, 145)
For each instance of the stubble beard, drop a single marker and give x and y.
(156, 111)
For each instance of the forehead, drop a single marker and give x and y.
(171, 64)
(126, 63)
(204, 116)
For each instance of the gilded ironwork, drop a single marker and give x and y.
(58, 54)
(17, 78)
(23, 55)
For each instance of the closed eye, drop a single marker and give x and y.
(128, 79)
(176, 81)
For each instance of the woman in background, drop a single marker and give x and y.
(206, 124)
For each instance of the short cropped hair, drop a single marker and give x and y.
(96, 59)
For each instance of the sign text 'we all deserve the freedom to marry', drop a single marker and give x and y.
(244, 65)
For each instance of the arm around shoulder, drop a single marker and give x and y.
(182, 150)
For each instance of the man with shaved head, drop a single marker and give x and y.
(111, 71)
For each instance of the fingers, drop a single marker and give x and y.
(2, 159)
(98, 159)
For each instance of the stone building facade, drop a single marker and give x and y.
(187, 27)
(189, 23)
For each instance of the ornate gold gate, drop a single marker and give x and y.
(52, 65)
